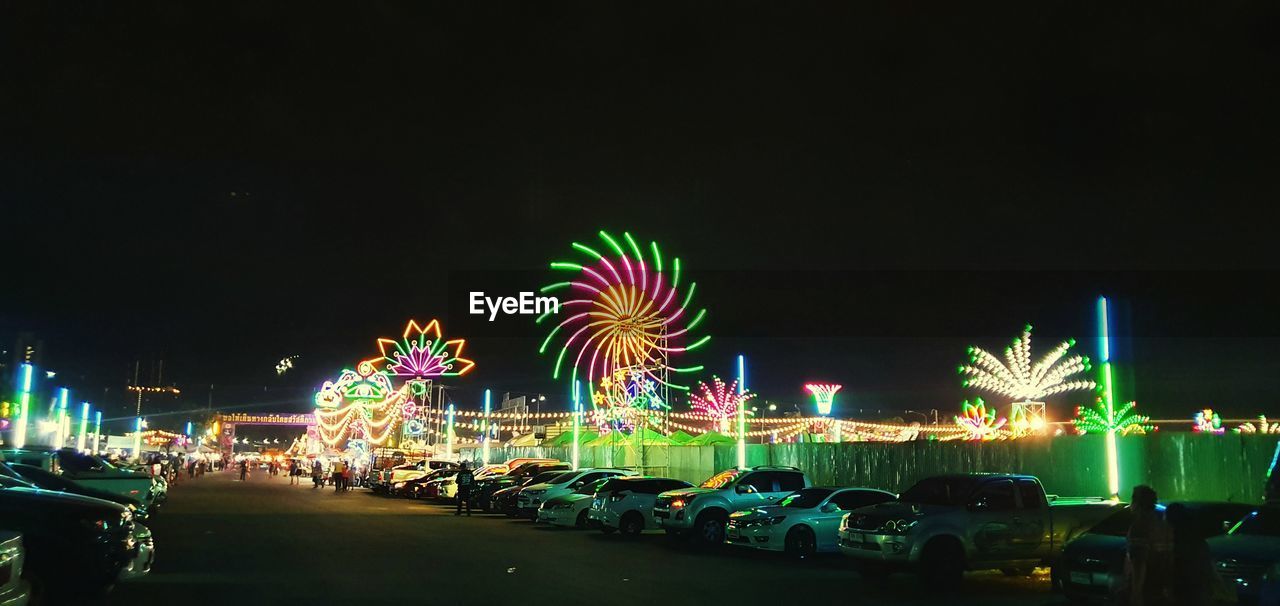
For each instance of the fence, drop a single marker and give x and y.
(1180, 466)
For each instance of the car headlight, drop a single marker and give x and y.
(398, 485)
(678, 503)
(899, 526)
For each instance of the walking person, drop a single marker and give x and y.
(317, 474)
(337, 476)
(346, 476)
(465, 480)
(244, 469)
(293, 472)
(1149, 547)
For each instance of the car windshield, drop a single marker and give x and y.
(593, 487)
(720, 480)
(946, 490)
(563, 478)
(807, 498)
(545, 476)
(1264, 522)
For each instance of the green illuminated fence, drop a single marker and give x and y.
(1184, 466)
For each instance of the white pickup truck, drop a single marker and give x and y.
(944, 525)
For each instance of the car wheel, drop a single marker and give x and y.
(710, 529)
(800, 542)
(631, 524)
(581, 522)
(942, 563)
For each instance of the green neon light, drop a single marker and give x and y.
(698, 343)
(556, 286)
(559, 359)
(588, 250)
(546, 341)
(657, 257)
(612, 243)
(566, 265)
(635, 249)
(689, 297)
(675, 280)
(542, 317)
(687, 369)
(696, 319)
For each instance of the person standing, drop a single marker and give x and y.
(346, 476)
(317, 474)
(337, 476)
(465, 479)
(244, 469)
(1149, 547)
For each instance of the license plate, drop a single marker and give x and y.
(1081, 578)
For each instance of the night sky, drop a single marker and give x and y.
(861, 191)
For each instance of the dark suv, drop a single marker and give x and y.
(482, 492)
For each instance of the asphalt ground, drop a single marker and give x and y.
(263, 541)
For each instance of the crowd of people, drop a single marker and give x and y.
(1167, 557)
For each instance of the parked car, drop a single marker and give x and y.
(626, 504)
(704, 511)
(944, 525)
(571, 509)
(413, 486)
(483, 491)
(140, 564)
(75, 546)
(1248, 557)
(91, 471)
(1092, 566)
(431, 488)
(51, 481)
(504, 500)
(384, 482)
(803, 523)
(531, 497)
(14, 590)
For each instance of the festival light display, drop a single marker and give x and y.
(627, 400)
(1016, 376)
(84, 426)
(285, 364)
(367, 405)
(1124, 420)
(1263, 426)
(422, 353)
(1207, 421)
(979, 422)
(824, 395)
(361, 404)
(622, 313)
(720, 401)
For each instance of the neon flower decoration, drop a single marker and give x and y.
(1018, 378)
(1207, 421)
(422, 353)
(1126, 420)
(1262, 427)
(824, 395)
(623, 313)
(978, 422)
(720, 401)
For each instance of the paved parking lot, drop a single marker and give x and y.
(220, 541)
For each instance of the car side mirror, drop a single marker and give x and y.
(744, 489)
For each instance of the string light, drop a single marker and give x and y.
(980, 423)
(1018, 378)
(1124, 420)
(1207, 421)
(824, 395)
